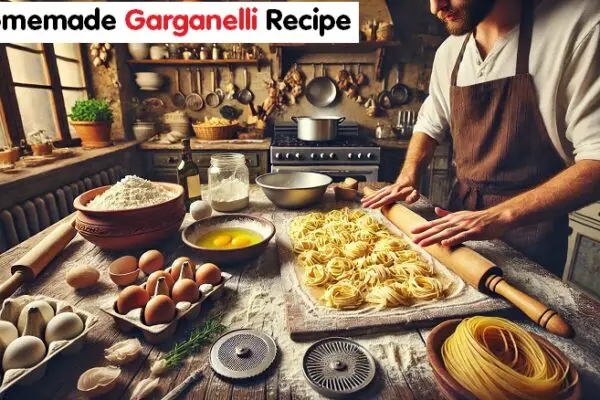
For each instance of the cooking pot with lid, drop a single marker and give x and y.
(317, 129)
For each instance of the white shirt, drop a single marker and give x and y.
(564, 62)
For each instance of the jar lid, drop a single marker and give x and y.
(222, 159)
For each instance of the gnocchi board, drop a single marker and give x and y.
(308, 320)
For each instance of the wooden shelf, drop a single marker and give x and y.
(361, 47)
(164, 62)
(296, 49)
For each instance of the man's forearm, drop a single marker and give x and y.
(571, 189)
(418, 156)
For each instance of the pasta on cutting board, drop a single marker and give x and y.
(357, 260)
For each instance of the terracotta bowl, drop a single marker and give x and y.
(452, 390)
(9, 156)
(132, 228)
(192, 233)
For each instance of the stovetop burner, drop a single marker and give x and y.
(291, 140)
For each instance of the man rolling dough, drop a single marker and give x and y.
(517, 87)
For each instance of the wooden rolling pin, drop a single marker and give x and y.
(479, 272)
(33, 263)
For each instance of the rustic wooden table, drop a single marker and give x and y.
(253, 298)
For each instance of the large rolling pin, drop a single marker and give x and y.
(33, 263)
(479, 272)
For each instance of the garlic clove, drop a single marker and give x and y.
(97, 62)
(94, 52)
(159, 367)
(123, 352)
(144, 388)
(97, 381)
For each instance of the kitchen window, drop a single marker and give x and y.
(39, 83)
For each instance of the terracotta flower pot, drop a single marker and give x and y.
(43, 149)
(93, 134)
(9, 156)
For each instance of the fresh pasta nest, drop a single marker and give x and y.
(357, 261)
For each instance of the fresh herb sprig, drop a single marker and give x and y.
(199, 337)
(92, 110)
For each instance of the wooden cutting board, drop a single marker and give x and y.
(308, 320)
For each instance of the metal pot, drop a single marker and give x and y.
(317, 129)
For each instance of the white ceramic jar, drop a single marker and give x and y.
(158, 52)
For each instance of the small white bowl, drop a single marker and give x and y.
(149, 80)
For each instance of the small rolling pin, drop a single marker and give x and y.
(33, 263)
(479, 272)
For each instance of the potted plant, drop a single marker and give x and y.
(92, 120)
(41, 144)
(8, 155)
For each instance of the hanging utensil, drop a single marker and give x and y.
(245, 96)
(400, 93)
(193, 101)
(199, 87)
(384, 98)
(213, 99)
(321, 91)
(361, 77)
(178, 98)
(220, 92)
(231, 89)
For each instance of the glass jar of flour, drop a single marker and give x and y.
(228, 182)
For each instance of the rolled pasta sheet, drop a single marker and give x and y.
(316, 275)
(340, 267)
(392, 295)
(300, 246)
(356, 250)
(343, 295)
(425, 288)
(309, 258)
(392, 244)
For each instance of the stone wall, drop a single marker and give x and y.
(418, 30)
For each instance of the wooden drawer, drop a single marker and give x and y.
(166, 160)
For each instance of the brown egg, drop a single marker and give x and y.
(176, 266)
(159, 310)
(185, 290)
(123, 265)
(151, 261)
(153, 279)
(131, 297)
(208, 273)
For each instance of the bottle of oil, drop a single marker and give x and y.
(188, 175)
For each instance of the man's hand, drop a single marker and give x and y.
(454, 228)
(403, 190)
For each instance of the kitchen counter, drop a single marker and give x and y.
(254, 299)
(392, 143)
(196, 144)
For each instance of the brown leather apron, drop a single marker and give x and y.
(502, 148)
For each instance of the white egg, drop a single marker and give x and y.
(45, 308)
(64, 326)
(200, 209)
(8, 333)
(23, 352)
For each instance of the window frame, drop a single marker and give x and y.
(10, 105)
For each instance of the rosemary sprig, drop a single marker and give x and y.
(198, 338)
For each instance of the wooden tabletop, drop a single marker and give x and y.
(197, 144)
(253, 299)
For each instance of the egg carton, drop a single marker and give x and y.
(161, 332)
(27, 376)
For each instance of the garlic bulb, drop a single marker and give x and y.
(98, 381)
(144, 388)
(123, 352)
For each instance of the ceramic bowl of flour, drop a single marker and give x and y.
(195, 231)
(130, 228)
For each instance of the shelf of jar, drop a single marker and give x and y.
(179, 62)
(336, 47)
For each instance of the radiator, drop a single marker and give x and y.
(22, 221)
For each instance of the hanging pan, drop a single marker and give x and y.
(193, 101)
(178, 97)
(384, 98)
(321, 91)
(399, 93)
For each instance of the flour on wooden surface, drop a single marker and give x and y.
(130, 192)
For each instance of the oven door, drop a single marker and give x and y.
(362, 173)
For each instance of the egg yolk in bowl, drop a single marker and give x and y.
(229, 238)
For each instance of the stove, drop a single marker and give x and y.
(350, 154)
